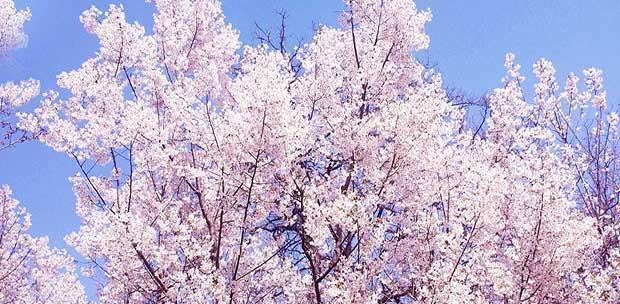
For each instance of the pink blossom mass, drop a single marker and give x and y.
(337, 171)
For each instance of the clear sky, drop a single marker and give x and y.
(468, 43)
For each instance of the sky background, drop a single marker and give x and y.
(468, 42)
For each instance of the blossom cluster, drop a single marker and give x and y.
(339, 172)
(12, 28)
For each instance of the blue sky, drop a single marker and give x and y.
(468, 43)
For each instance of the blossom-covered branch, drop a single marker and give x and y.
(338, 172)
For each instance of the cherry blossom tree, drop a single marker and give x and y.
(335, 172)
(12, 94)
(585, 130)
(12, 30)
(30, 271)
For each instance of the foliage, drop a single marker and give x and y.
(336, 172)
